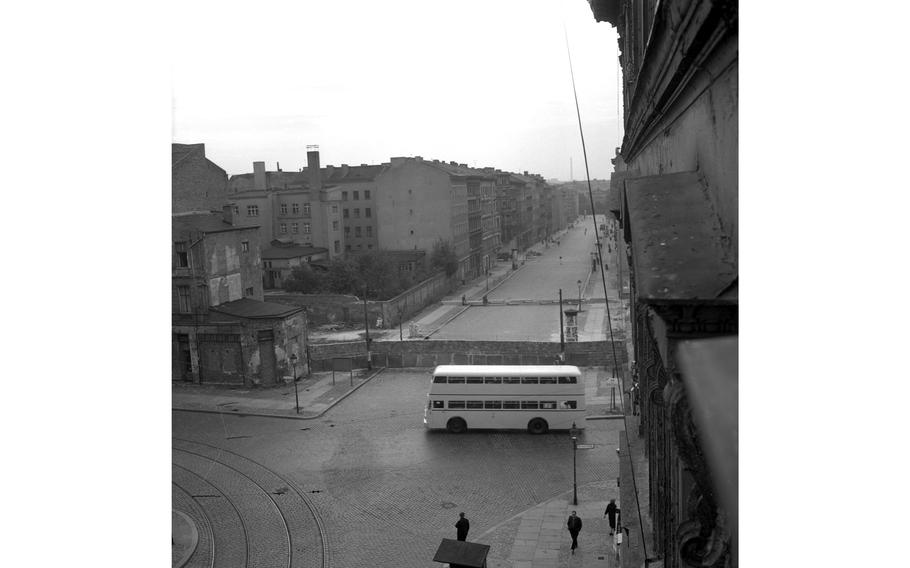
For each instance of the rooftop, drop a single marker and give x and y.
(255, 309)
(208, 222)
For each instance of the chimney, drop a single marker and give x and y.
(259, 175)
(278, 166)
(227, 213)
(314, 173)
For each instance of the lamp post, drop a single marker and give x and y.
(574, 433)
(579, 295)
(293, 360)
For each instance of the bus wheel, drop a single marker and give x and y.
(456, 425)
(538, 426)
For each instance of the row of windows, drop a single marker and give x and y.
(505, 405)
(359, 247)
(295, 209)
(507, 380)
(367, 212)
(357, 231)
(283, 228)
(355, 195)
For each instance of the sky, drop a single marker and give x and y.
(481, 82)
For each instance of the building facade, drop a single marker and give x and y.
(675, 195)
(222, 331)
(197, 183)
(293, 207)
(357, 187)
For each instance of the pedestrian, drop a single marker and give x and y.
(574, 526)
(634, 394)
(610, 513)
(462, 527)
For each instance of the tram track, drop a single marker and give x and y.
(216, 519)
(300, 549)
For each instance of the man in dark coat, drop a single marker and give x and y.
(574, 526)
(610, 513)
(462, 527)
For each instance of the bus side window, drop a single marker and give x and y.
(492, 380)
(529, 380)
(439, 380)
(511, 380)
(529, 404)
(454, 380)
(492, 404)
(510, 405)
(569, 404)
(475, 404)
(456, 404)
(548, 380)
(567, 380)
(548, 405)
(439, 404)
(475, 380)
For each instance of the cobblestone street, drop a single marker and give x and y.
(386, 491)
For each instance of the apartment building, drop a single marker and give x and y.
(357, 188)
(292, 207)
(420, 202)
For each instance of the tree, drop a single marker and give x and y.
(444, 258)
(304, 279)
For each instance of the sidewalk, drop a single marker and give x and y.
(316, 394)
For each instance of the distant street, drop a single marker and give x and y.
(539, 279)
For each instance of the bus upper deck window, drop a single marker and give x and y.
(566, 380)
(475, 380)
(492, 380)
(511, 380)
(529, 380)
(456, 380)
(548, 380)
(439, 380)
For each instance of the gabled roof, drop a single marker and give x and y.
(180, 153)
(254, 309)
(296, 251)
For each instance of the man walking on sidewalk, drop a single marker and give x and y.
(462, 527)
(574, 526)
(610, 513)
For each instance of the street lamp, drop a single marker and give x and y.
(574, 433)
(293, 360)
(579, 295)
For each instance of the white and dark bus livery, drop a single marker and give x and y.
(533, 397)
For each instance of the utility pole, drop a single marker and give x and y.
(366, 325)
(562, 334)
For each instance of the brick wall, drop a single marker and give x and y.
(197, 184)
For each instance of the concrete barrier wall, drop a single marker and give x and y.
(398, 354)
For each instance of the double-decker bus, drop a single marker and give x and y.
(533, 397)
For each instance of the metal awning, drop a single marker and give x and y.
(458, 553)
(677, 241)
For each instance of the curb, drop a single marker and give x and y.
(272, 415)
(193, 532)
